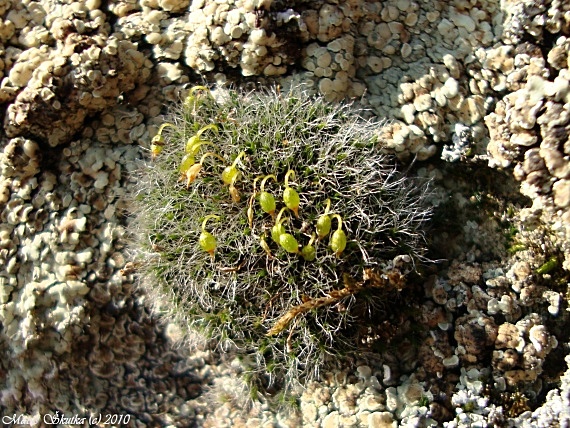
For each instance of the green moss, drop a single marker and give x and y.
(424, 401)
(239, 294)
(551, 264)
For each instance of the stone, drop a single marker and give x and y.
(451, 362)
(403, 5)
(381, 420)
(561, 191)
(525, 139)
(465, 21)
(371, 403)
(444, 27)
(332, 420)
(452, 65)
(375, 64)
(432, 15)
(423, 102)
(408, 110)
(542, 340)
(508, 336)
(411, 19)
(324, 59)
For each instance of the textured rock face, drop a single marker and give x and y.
(86, 76)
(434, 67)
(529, 126)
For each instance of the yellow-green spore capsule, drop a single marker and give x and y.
(250, 210)
(234, 193)
(291, 199)
(250, 203)
(230, 173)
(192, 143)
(290, 195)
(338, 242)
(309, 252)
(157, 142)
(324, 222)
(187, 161)
(289, 243)
(206, 128)
(191, 172)
(324, 225)
(278, 229)
(192, 101)
(156, 146)
(338, 238)
(206, 240)
(267, 202)
(195, 141)
(193, 148)
(266, 199)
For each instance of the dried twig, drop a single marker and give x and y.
(371, 279)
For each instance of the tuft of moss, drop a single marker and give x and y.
(291, 302)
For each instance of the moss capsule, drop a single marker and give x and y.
(207, 241)
(323, 225)
(309, 252)
(187, 161)
(192, 149)
(324, 222)
(291, 199)
(206, 128)
(195, 141)
(289, 243)
(338, 238)
(191, 144)
(338, 242)
(156, 145)
(157, 142)
(191, 173)
(250, 211)
(193, 101)
(278, 229)
(267, 202)
(250, 203)
(230, 173)
(290, 195)
(266, 199)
